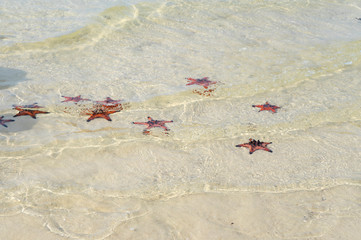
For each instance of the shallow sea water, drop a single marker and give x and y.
(62, 177)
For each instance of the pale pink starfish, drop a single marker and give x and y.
(74, 99)
(153, 123)
(200, 81)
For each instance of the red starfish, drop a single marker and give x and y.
(3, 121)
(153, 123)
(254, 145)
(200, 81)
(31, 113)
(100, 113)
(74, 99)
(267, 107)
(109, 100)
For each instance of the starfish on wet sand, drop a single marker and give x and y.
(3, 121)
(74, 99)
(254, 145)
(100, 113)
(200, 81)
(108, 100)
(154, 123)
(267, 107)
(31, 113)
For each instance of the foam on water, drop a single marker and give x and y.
(107, 180)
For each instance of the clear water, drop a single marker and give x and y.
(63, 177)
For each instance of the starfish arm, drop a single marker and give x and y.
(263, 148)
(163, 122)
(107, 117)
(264, 144)
(36, 112)
(240, 145)
(111, 112)
(91, 118)
(164, 127)
(251, 150)
(141, 123)
(67, 99)
(2, 122)
(259, 106)
(24, 113)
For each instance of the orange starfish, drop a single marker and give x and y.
(100, 113)
(31, 113)
(267, 107)
(254, 145)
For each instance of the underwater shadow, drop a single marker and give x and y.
(9, 77)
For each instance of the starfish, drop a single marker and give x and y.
(100, 113)
(3, 121)
(254, 145)
(74, 99)
(200, 81)
(267, 107)
(31, 113)
(34, 105)
(153, 123)
(109, 100)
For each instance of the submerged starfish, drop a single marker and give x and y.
(109, 100)
(100, 113)
(31, 113)
(153, 123)
(254, 145)
(74, 99)
(267, 107)
(200, 81)
(34, 105)
(3, 121)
